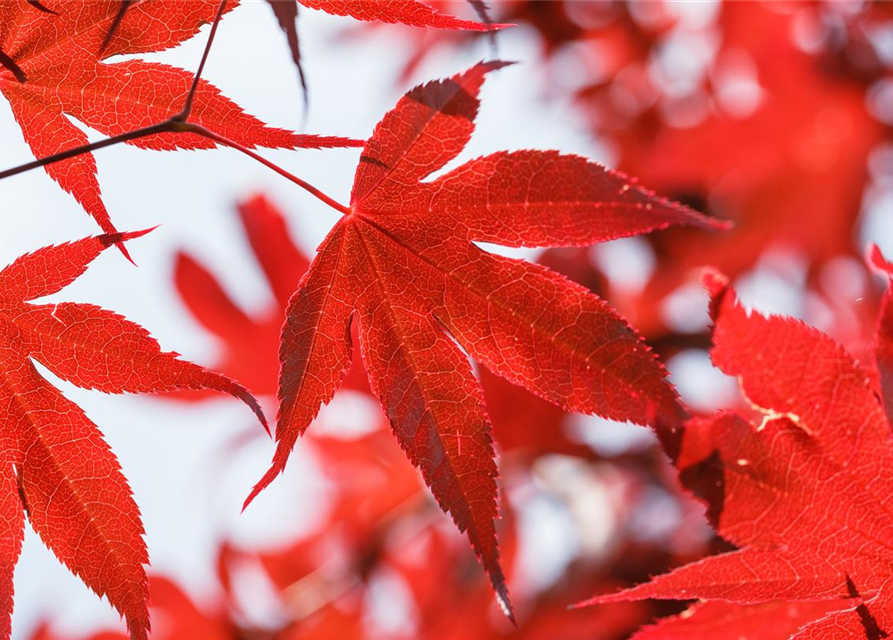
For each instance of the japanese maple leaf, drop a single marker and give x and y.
(401, 264)
(54, 464)
(58, 71)
(249, 342)
(805, 494)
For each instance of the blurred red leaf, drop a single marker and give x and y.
(788, 164)
(250, 345)
(175, 617)
(883, 338)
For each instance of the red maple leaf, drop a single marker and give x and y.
(249, 343)
(183, 618)
(54, 464)
(409, 12)
(58, 70)
(805, 493)
(402, 265)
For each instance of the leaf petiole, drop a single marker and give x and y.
(202, 131)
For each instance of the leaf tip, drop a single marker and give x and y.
(254, 405)
(118, 239)
(499, 26)
(624, 595)
(500, 589)
(714, 281)
(504, 601)
(255, 491)
(506, 606)
(716, 284)
(275, 469)
(495, 65)
(876, 260)
(108, 239)
(718, 224)
(222, 383)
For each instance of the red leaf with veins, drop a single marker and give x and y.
(62, 57)
(805, 494)
(249, 343)
(402, 264)
(182, 618)
(54, 462)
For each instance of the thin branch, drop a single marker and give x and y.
(154, 129)
(172, 125)
(190, 97)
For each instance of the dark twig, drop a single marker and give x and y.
(190, 97)
(172, 124)
(145, 132)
